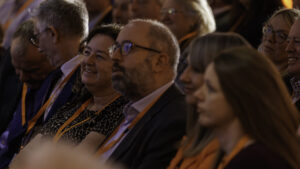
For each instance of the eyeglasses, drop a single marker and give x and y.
(169, 11)
(280, 36)
(126, 47)
(35, 39)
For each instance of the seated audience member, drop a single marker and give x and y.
(197, 149)
(255, 124)
(145, 9)
(187, 19)
(100, 12)
(22, 99)
(275, 33)
(57, 35)
(293, 69)
(120, 11)
(144, 66)
(46, 155)
(245, 17)
(102, 112)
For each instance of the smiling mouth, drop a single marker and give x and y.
(292, 60)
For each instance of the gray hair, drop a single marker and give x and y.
(162, 38)
(288, 15)
(203, 13)
(70, 17)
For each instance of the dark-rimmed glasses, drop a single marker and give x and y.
(126, 47)
(280, 36)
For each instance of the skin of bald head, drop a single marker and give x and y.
(31, 66)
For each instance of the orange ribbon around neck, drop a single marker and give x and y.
(104, 148)
(62, 130)
(242, 143)
(24, 93)
(33, 121)
(189, 35)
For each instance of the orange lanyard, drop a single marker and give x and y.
(33, 121)
(22, 8)
(104, 149)
(60, 132)
(24, 93)
(189, 35)
(239, 146)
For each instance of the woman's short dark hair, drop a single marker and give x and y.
(110, 30)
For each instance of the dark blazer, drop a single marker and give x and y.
(34, 102)
(153, 141)
(10, 90)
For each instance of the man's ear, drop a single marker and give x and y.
(54, 34)
(160, 61)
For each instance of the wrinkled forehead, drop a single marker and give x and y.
(136, 32)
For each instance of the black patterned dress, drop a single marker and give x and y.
(104, 123)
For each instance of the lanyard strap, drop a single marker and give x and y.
(33, 121)
(104, 148)
(23, 103)
(62, 130)
(239, 146)
(189, 35)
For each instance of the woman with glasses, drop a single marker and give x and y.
(275, 32)
(98, 111)
(246, 105)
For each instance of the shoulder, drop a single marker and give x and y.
(257, 156)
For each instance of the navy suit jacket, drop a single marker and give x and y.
(154, 140)
(34, 101)
(10, 91)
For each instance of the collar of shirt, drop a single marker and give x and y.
(142, 103)
(67, 67)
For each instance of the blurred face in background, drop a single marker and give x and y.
(293, 50)
(146, 9)
(275, 33)
(120, 11)
(177, 18)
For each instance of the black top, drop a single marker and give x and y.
(257, 156)
(105, 122)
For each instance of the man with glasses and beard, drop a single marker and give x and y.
(145, 58)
